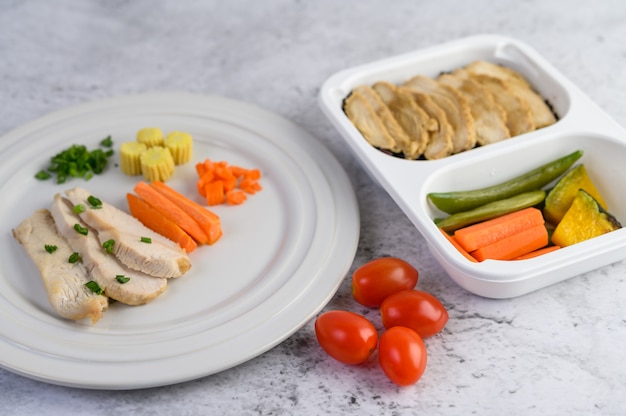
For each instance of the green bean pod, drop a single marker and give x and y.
(459, 201)
(491, 210)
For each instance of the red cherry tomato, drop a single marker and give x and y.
(377, 279)
(346, 336)
(420, 311)
(402, 355)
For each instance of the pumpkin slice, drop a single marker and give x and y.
(584, 219)
(561, 196)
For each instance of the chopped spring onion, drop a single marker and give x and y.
(74, 257)
(50, 248)
(121, 278)
(94, 287)
(81, 230)
(108, 246)
(80, 208)
(94, 202)
(78, 162)
(147, 240)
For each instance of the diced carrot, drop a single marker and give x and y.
(514, 245)
(214, 192)
(538, 252)
(254, 174)
(488, 232)
(172, 211)
(208, 220)
(250, 186)
(157, 222)
(458, 246)
(235, 197)
(217, 178)
(238, 171)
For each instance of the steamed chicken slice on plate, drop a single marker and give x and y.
(518, 116)
(453, 104)
(64, 281)
(395, 130)
(104, 268)
(489, 117)
(408, 114)
(541, 113)
(364, 118)
(160, 258)
(440, 132)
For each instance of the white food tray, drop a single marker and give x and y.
(581, 125)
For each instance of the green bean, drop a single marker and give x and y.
(459, 201)
(491, 210)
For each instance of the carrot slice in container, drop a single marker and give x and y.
(208, 220)
(171, 211)
(539, 252)
(157, 222)
(515, 245)
(488, 232)
(458, 246)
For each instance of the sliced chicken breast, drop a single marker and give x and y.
(518, 116)
(541, 113)
(365, 119)
(440, 131)
(489, 116)
(413, 120)
(64, 281)
(453, 104)
(395, 130)
(127, 286)
(160, 258)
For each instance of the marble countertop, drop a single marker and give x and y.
(555, 351)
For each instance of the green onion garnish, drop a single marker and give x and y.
(81, 230)
(121, 278)
(94, 202)
(147, 240)
(108, 246)
(74, 257)
(50, 248)
(80, 208)
(94, 287)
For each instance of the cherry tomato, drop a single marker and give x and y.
(346, 336)
(377, 279)
(420, 311)
(402, 355)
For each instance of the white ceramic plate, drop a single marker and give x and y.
(282, 257)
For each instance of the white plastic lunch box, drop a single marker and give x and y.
(581, 125)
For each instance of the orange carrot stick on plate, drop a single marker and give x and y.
(154, 220)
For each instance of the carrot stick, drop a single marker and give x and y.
(514, 245)
(154, 220)
(207, 220)
(171, 211)
(458, 246)
(538, 252)
(487, 232)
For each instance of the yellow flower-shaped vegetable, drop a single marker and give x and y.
(180, 145)
(130, 157)
(157, 164)
(150, 136)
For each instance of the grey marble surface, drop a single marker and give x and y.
(557, 351)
